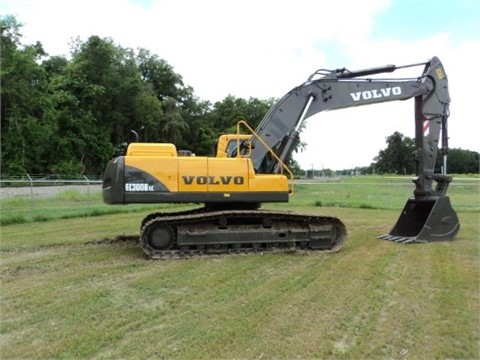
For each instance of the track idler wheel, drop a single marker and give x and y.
(158, 237)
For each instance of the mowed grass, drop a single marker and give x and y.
(66, 294)
(63, 205)
(369, 192)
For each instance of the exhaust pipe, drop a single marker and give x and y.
(422, 221)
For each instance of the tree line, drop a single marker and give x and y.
(71, 116)
(397, 158)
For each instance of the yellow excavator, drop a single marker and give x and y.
(250, 169)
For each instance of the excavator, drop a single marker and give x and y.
(249, 169)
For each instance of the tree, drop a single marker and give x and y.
(159, 75)
(171, 122)
(24, 102)
(172, 125)
(397, 158)
(148, 112)
(460, 162)
(97, 97)
(226, 113)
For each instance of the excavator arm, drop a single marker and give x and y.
(338, 89)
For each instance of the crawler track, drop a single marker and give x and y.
(201, 232)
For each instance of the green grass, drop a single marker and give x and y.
(66, 295)
(369, 192)
(65, 205)
(366, 192)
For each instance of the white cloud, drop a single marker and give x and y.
(263, 49)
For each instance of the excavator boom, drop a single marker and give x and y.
(338, 89)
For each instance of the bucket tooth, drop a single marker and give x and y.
(401, 239)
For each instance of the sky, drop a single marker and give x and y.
(263, 49)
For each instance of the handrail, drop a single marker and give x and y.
(244, 123)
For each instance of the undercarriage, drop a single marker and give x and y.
(203, 231)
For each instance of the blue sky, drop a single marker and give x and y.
(265, 48)
(407, 19)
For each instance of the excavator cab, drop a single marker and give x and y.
(227, 145)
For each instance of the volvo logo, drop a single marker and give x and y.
(376, 93)
(213, 180)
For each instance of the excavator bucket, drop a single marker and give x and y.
(425, 221)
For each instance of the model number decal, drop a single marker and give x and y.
(375, 94)
(213, 180)
(138, 187)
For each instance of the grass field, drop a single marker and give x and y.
(65, 293)
(360, 192)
